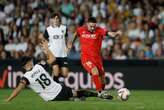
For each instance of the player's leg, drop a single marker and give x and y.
(104, 94)
(85, 93)
(64, 71)
(64, 67)
(68, 94)
(100, 67)
(65, 94)
(102, 74)
(96, 78)
(64, 74)
(55, 69)
(92, 69)
(102, 78)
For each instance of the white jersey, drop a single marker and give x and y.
(42, 83)
(57, 40)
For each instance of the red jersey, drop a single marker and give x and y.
(90, 42)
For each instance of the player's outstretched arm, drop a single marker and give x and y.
(17, 90)
(48, 53)
(114, 34)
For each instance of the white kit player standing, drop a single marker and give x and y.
(56, 35)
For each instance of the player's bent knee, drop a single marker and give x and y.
(55, 70)
(65, 72)
(94, 71)
(65, 75)
(55, 73)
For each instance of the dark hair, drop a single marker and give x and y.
(53, 15)
(24, 60)
(92, 20)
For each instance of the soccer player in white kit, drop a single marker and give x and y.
(39, 80)
(56, 35)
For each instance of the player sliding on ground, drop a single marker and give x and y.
(90, 41)
(39, 80)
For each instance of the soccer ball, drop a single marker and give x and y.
(123, 94)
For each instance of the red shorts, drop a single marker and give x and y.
(89, 62)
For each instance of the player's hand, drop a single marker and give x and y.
(44, 45)
(69, 44)
(6, 100)
(118, 33)
(67, 50)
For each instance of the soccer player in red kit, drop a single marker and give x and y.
(91, 37)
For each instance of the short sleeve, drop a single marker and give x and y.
(66, 33)
(46, 36)
(43, 64)
(78, 31)
(104, 32)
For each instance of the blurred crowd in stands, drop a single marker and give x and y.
(141, 21)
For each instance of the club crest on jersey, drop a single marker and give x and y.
(62, 31)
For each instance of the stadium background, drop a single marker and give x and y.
(135, 60)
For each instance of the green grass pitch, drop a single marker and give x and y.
(139, 100)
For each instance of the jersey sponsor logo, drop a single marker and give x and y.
(58, 36)
(78, 80)
(62, 31)
(90, 36)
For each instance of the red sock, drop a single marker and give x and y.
(103, 86)
(97, 82)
